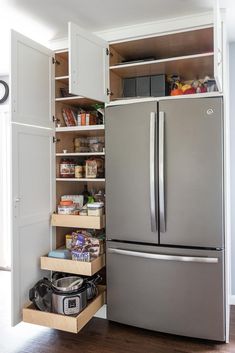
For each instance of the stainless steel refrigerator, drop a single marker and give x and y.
(165, 216)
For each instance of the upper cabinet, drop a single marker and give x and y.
(187, 54)
(31, 82)
(88, 65)
(101, 72)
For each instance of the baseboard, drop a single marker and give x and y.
(232, 300)
(102, 313)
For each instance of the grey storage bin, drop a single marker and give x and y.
(159, 86)
(143, 86)
(129, 87)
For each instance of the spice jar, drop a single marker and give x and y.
(67, 168)
(79, 171)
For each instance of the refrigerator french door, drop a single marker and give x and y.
(164, 193)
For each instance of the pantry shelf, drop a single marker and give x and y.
(63, 322)
(84, 128)
(62, 79)
(81, 179)
(92, 222)
(81, 154)
(71, 266)
(76, 101)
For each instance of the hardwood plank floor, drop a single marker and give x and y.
(98, 336)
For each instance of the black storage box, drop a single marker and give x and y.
(159, 86)
(143, 86)
(146, 86)
(129, 87)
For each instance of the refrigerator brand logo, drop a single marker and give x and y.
(210, 111)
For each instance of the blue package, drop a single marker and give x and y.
(60, 254)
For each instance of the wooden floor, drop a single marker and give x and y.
(99, 336)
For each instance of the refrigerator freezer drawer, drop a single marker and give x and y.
(168, 290)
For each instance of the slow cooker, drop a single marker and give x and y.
(69, 295)
(65, 294)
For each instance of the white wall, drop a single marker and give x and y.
(232, 156)
(6, 79)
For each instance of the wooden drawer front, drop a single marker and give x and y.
(63, 322)
(71, 266)
(91, 222)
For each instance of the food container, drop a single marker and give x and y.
(68, 241)
(96, 144)
(81, 256)
(77, 199)
(100, 196)
(95, 209)
(96, 147)
(67, 168)
(81, 144)
(79, 171)
(83, 244)
(67, 207)
(90, 119)
(94, 168)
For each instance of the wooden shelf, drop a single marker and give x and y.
(81, 179)
(80, 154)
(73, 221)
(63, 322)
(76, 101)
(63, 53)
(71, 266)
(162, 46)
(188, 67)
(63, 79)
(84, 128)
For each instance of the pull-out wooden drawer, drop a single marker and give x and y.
(62, 322)
(71, 266)
(92, 222)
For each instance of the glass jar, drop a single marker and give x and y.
(79, 171)
(67, 168)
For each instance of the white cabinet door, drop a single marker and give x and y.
(32, 204)
(31, 82)
(88, 64)
(33, 164)
(218, 47)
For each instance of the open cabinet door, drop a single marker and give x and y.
(218, 47)
(32, 168)
(88, 65)
(31, 82)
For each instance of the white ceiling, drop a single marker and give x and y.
(47, 19)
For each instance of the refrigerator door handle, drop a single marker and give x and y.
(162, 219)
(179, 258)
(152, 169)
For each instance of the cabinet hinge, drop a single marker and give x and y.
(109, 93)
(54, 61)
(108, 52)
(55, 120)
(55, 139)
